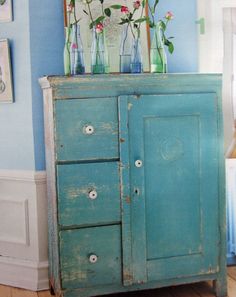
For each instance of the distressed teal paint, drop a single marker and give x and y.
(172, 208)
(77, 270)
(76, 181)
(73, 117)
(177, 184)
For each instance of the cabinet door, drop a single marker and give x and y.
(169, 173)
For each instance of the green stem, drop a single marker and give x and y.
(90, 13)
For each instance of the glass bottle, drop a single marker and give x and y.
(158, 58)
(76, 52)
(66, 53)
(136, 65)
(106, 53)
(99, 53)
(125, 49)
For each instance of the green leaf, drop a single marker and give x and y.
(163, 25)
(155, 4)
(143, 3)
(171, 47)
(123, 21)
(141, 20)
(99, 19)
(107, 12)
(116, 6)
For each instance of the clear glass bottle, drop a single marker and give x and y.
(99, 53)
(136, 65)
(76, 52)
(125, 49)
(66, 54)
(158, 58)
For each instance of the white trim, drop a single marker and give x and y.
(24, 250)
(24, 274)
(227, 3)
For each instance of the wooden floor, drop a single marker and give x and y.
(194, 290)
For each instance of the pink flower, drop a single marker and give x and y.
(70, 7)
(137, 4)
(74, 45)
(124, 9)
(169, 15)
(99, 28)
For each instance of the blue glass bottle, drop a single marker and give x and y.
(125, 49)
(76, 52)
(136, 65)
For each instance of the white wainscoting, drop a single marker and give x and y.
(23, 229)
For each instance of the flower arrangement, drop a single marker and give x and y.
(131, 17)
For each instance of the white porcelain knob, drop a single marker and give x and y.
(93, 194)
(89, 129)
(93, 259)
(138, 163)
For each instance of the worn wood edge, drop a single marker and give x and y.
(63, 81)
(111, 289)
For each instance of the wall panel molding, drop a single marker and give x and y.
(23, 229)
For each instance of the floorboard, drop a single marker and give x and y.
(5, 291)
(15, 292)
(232, 272)
(204, 289)
(44, 294)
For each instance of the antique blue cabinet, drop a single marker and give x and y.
(135, 182)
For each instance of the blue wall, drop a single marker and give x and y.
(37, 39)
(16, 131)
(184, 29)
(46, 47)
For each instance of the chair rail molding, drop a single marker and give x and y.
(23, 229)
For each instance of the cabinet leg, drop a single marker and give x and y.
(52, 292)
(220, 287)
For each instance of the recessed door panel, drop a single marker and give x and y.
(169, 157)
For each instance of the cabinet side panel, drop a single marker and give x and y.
(51, 190)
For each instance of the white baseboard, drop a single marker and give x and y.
(24, 274)
(23, 229)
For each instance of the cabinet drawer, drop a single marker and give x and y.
(88, 193)
(90, 256)
(86, 129)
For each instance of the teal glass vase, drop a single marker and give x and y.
(76, 52)
(158, 58)
(136, 64)
(66, 53)
(99, 53)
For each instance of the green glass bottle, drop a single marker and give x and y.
(158, 56)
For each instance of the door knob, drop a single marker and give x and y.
(93, 259)
(93, 194)
(138, 163)
(88, 129)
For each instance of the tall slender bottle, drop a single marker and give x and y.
(125, 49)
(66, 53)
(76, 52)
(158, 56)
(136, 65)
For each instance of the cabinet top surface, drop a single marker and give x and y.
(110, 85)
(59, 81)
